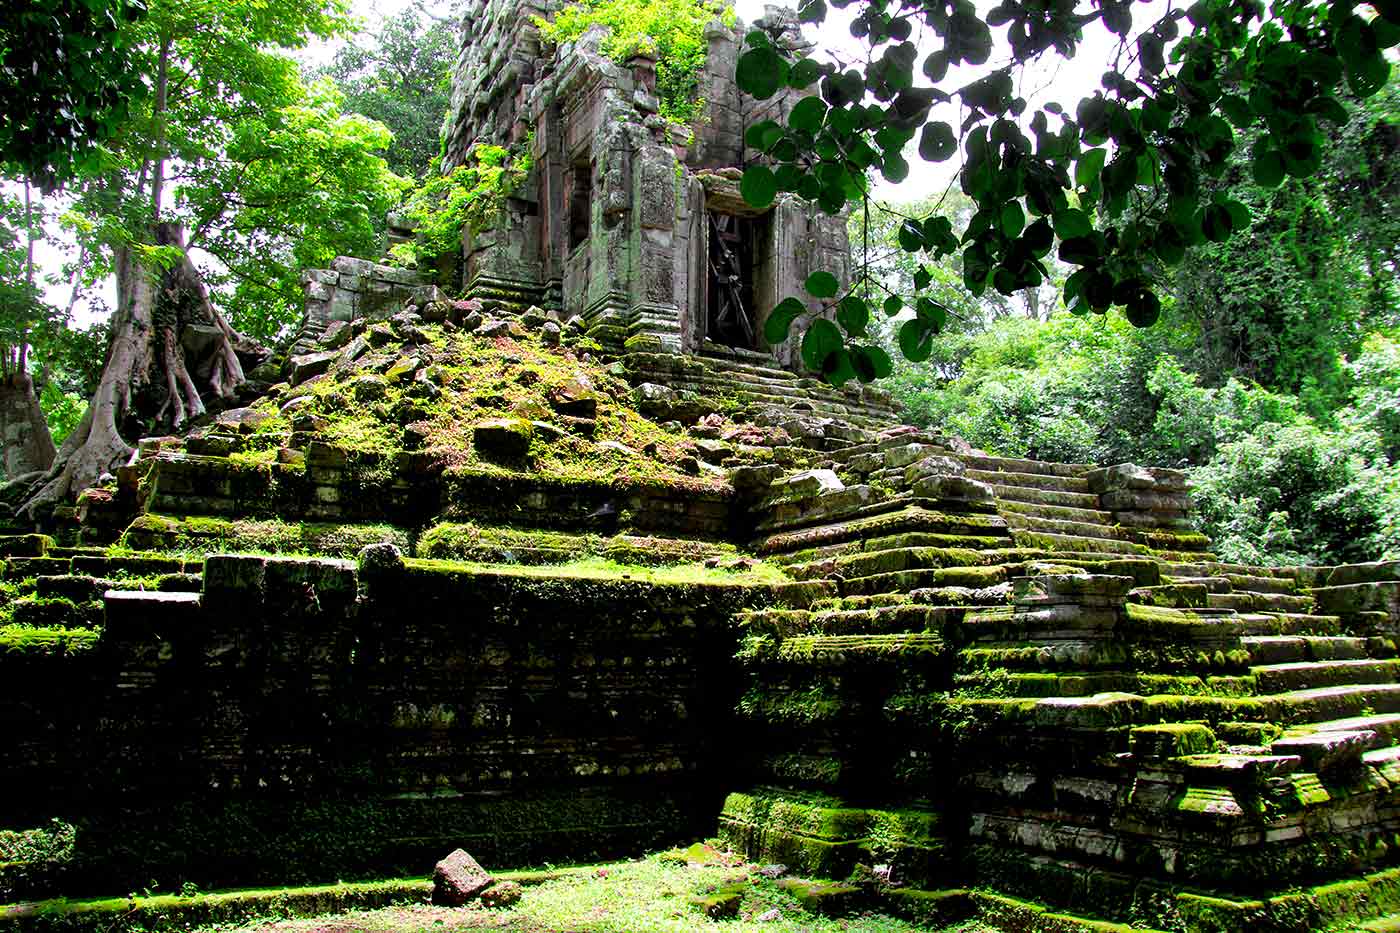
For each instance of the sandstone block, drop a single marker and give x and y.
(457, 879)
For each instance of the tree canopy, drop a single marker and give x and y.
(70, 76)
(1126, 180)
(401, 75)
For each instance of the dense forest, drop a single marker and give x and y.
(1273, 374)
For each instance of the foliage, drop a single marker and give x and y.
(1294, 494)
(1121, 181)
(672, 31)
(1284, 301)
(311, 185)
(401, 77)
(1375, 394)
(470, 196)
(1273, 484)
(69, 78)
(266, 173)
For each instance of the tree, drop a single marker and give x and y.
(233, 154)
(28, 446)
(402, 77)
(68, 80)
(1119, 180)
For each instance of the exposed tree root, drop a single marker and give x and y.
(165, 335)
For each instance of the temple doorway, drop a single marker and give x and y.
(731, 315)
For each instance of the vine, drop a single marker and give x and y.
(671, 30)
(468, 196)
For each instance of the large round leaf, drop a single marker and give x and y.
(937, 142)
(780, 319)
(821, 340)
(808, 114)
(760, 72)
(853, 314)
(916, 340)
(822, 284)
(759, 186)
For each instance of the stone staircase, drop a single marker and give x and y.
(687, 387)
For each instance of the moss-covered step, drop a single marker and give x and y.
(203, 534)
(1299, 675)
(902, 617)
(1282, 649)
(826, 837)
(490, 544)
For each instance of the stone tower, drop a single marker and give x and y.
(634, 223)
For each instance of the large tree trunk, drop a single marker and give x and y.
(28, 445)
(171, 355)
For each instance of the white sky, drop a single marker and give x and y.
(1050, 79)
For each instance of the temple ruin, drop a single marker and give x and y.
(560, 563)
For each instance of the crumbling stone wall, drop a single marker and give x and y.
(309, 719)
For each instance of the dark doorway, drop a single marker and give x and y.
(731, 318)
(580, 202)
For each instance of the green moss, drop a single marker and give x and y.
(37, 640)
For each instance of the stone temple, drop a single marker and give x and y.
(552, 564)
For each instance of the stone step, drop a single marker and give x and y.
(901, 618)
(1303, 675)
(903, 581)
(1043, 481)
(1037, 496)
(1385, 725)
(1063, 527)
(1212, 584)
(1287, 649)
(1204, 568)
(1286, 623)
(1260, 602)
(1062, 512)
(915, 539)
(1246, 583)
(831, 650)
(1016, 465)
(1078, 544)
(889, 520)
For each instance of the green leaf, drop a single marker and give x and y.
(1086, 170)
(853, 315)
(1239, 214)
(922, 277)
(1013, 220)
(931, 313)
(759, 186)
(1268, 168)
(821, 340)
(894, 168)
(808, 114)
(911, 236)
(822, 284)
(1143, 309)
(780, 320)
(937, 143)
(1217, 224)
(838, 368)
(804, 73)
(1237, 110)
(1071, 223)
(759, 135)
(916, 340)
(893, 305)
(760, 72)
(871, 363)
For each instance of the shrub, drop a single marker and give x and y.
(671, 30)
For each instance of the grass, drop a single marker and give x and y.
(600, 568)
(647, 896)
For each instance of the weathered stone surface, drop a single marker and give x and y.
(502, 894)
(502, 437)
(457, 879)
(307, 365)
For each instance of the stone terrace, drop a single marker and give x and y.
(972, 669)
